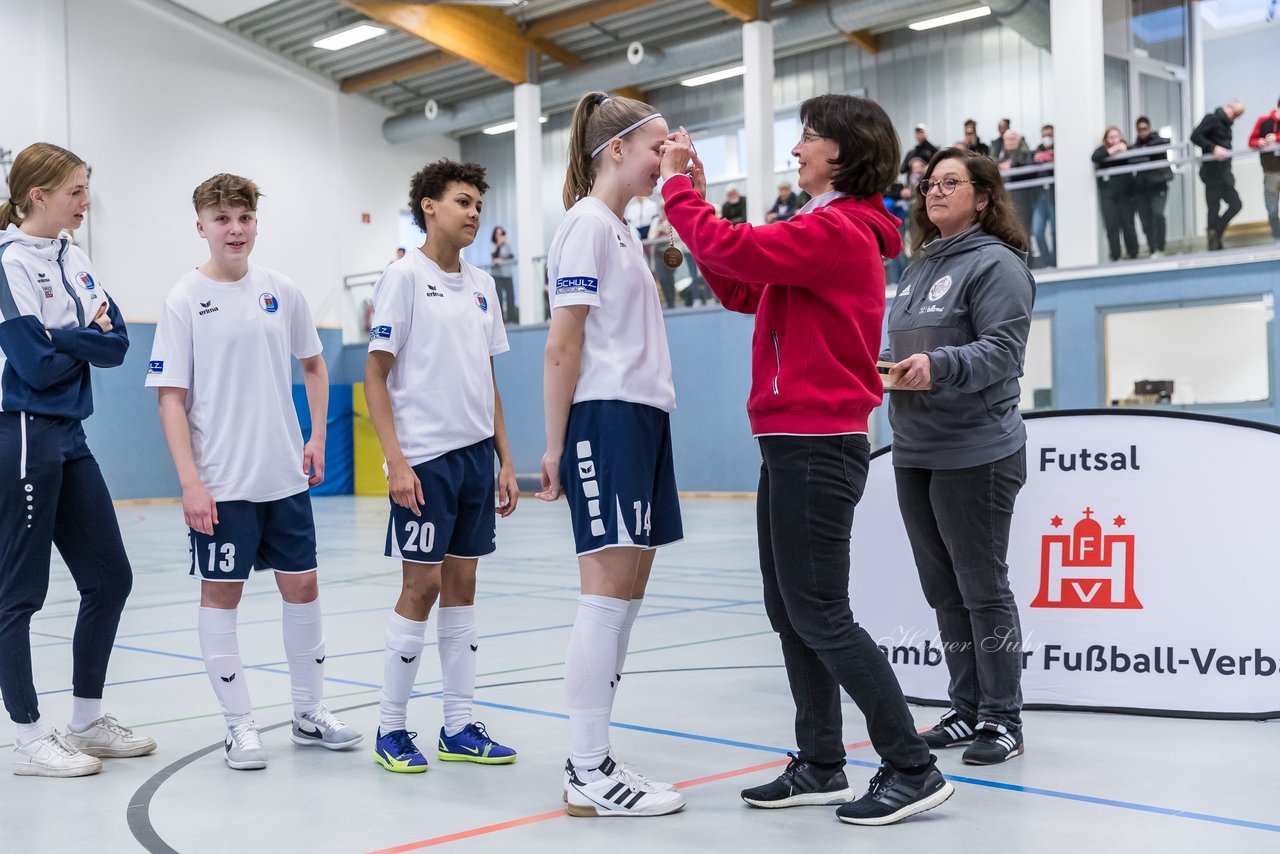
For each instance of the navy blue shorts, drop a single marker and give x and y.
(278, 535)
(458, 519)
(619, 477)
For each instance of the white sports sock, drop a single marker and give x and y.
(217, 631)
(401, 658)
(624, 639)
(304, 648)
(33, 731)
(84, 711)
(589, 676)
(456, 636)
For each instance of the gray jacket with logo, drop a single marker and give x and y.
(965, 301)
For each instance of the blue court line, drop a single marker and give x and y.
(973, 781)
(267, 667)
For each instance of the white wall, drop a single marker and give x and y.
(158, 101)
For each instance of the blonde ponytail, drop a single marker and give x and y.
(42, 166)
(596, 119)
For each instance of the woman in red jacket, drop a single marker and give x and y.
(816, 286)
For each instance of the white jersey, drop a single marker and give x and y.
(228, 344)
(596, 260)
(442, 328)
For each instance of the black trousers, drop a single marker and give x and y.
(1117, 216)
(809, 487)
(52, 493)
(1220, 189)
(958, 523)
(1149, 205)
(507, 298)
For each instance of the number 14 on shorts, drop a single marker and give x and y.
(643, 509)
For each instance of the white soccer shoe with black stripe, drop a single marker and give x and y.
(639, 780)
(612, 790)
(951, 731)
(992, 744)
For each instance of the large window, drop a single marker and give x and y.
(1205, 353)
(1037, 371)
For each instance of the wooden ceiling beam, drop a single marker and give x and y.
(865, 39)
(743, 10)
(478, 34)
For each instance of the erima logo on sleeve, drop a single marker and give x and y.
(577, 285)
(155, 366)
(379, 332)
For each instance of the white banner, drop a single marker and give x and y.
(1143, 557)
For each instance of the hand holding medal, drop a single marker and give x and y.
(680, 158)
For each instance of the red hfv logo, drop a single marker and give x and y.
(1088, 569)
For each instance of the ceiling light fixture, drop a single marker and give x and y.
(346, 38)
(722, 74)
(953, 18)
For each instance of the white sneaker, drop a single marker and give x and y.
(322, 728)
(51, 756)
(107, 737)
(637, 779)
(243, 747)
(612, 790)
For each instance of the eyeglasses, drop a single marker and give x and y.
(809, 136)
(946, 186)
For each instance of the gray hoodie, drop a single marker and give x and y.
(966, 302)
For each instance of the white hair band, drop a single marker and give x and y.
(620, 134)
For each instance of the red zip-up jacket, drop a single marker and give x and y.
(816, 286)
(1270, 123)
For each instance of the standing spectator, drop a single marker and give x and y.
(971, 141)
(1014, 154)
(1151, 186)
(997, 144)
(784, 207)
(924, 149)
(1266, 134)
(641, 211)
(1044, 221)
(900, 201)
(734, 208)
(503, 261)
(1213, 136)
(1115, 195)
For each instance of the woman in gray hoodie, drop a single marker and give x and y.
(957, 333)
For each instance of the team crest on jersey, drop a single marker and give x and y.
(481, 301)
(155, 366)
(377, 332)
(48, 291)
(577, 285)
(268, 303)
(939, 289)
(85, 280)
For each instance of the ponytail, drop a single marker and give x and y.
(42, 166)
(597, 119)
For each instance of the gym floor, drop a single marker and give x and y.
(704, 703)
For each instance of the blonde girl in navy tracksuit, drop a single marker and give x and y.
(55, 321)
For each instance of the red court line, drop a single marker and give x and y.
(534, 819)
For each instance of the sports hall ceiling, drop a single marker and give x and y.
(479, 48)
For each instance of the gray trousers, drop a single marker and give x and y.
(958, 523)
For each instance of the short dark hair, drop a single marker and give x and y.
(1142, 120)
(435, 178)
(970, 123)
(1046, 127)
(869, 148)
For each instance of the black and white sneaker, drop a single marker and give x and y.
(801, 785)
(894, 796)
(612, 790)
(951, 731)
(994, 743)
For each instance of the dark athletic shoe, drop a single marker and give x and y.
(894, 796)
(952, 730)
(801, 785)
(993, 744)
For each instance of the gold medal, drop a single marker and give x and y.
(672, 257)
